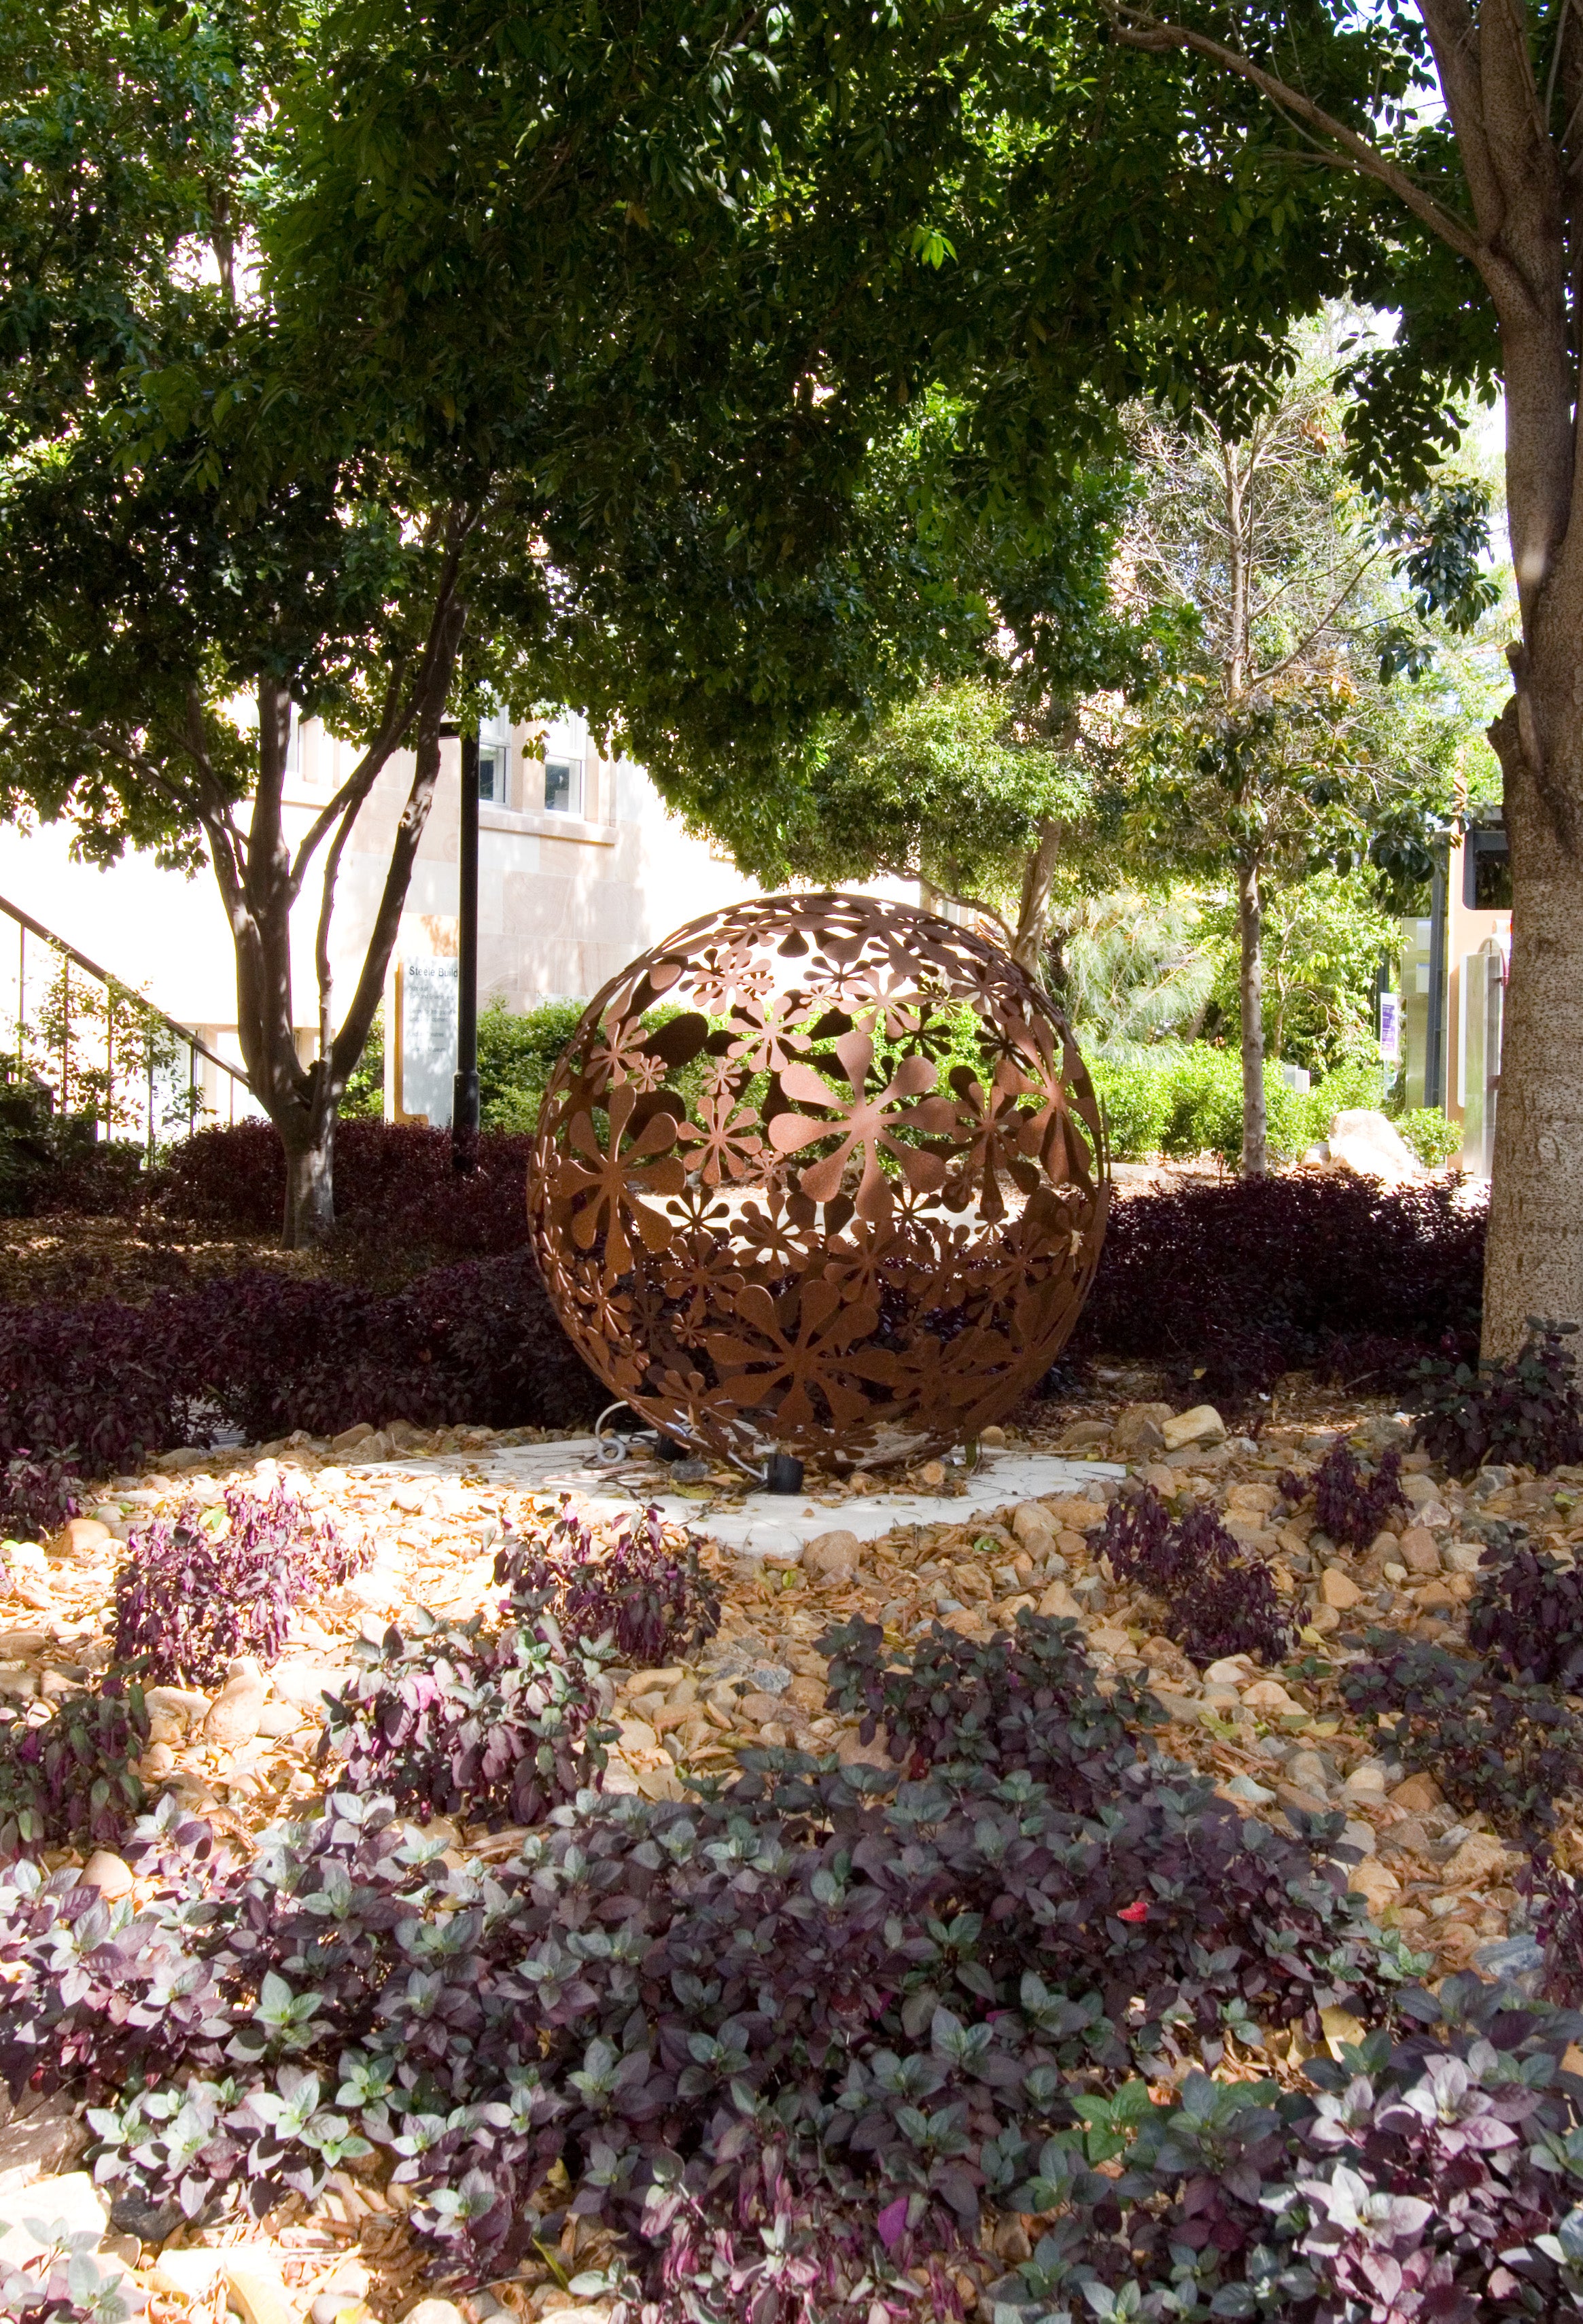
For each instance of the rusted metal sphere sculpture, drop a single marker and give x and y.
(821, 1175)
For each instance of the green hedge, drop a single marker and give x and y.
(1188, 1100)
(1184, 1100)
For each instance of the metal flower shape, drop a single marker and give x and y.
(728, 1139)
(773, 1208)
(863, 1123)
(600, 1186)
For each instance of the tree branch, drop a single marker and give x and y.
(1137, 30)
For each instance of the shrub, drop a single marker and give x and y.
(1133, 1097)
(807, 1987)
(104, 1384)
(1025, 1701)
(1218, 1601)
(1350, 1506)
(1525, 1410)
(1556, 1904)
(1355, 1082)
(1256, 1277)
(64, 2283)
(1442, 2181)
(795, 2038)
(1526, 1616)
(193, 1590)
(99, 1385)
(37, 1496)
(1203, 1107)
(1508, 1747)
(69, 1774)
(637, 1581)
(501, 1725)
(517, 1054)
(478, 1341)
(1433, 1137)
(396, 1195)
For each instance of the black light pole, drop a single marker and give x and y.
(464, 1104)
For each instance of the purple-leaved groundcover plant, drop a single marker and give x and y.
(792, 2039)
(197, 1588)
(503, 1720)
(1218, 1601)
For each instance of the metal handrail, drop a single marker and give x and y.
(182, 1032)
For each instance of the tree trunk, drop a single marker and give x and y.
(1034, 907)
(261, 880)
(1535, 1255)
(310, 1187)
(1250, 920)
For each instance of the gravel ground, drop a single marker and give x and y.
(1278, 1740)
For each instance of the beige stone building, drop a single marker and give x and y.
(1454, 966)
(580, 866)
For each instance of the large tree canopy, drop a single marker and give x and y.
(449, 344)
(1424, 160)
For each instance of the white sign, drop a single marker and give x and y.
(1390, 1028)
(429, 1012)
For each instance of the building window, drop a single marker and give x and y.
(493, 759)
(563, 786)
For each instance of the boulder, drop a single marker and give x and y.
(1366, 1141)
(1417, 1794)
(350, 1438)
(1202, 1424)
(1462, 1556)
(1058, 1598)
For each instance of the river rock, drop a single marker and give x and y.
(1337, 1589)
(234, 1714)
(1481, 1856)
(303, 1685)
(1375, 1882)
(1417, 1551)
(85, 1537)
(1417, 1794)
(1141, 1429)
(110, 1874)
(1202, 1424)
(833, 1556)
